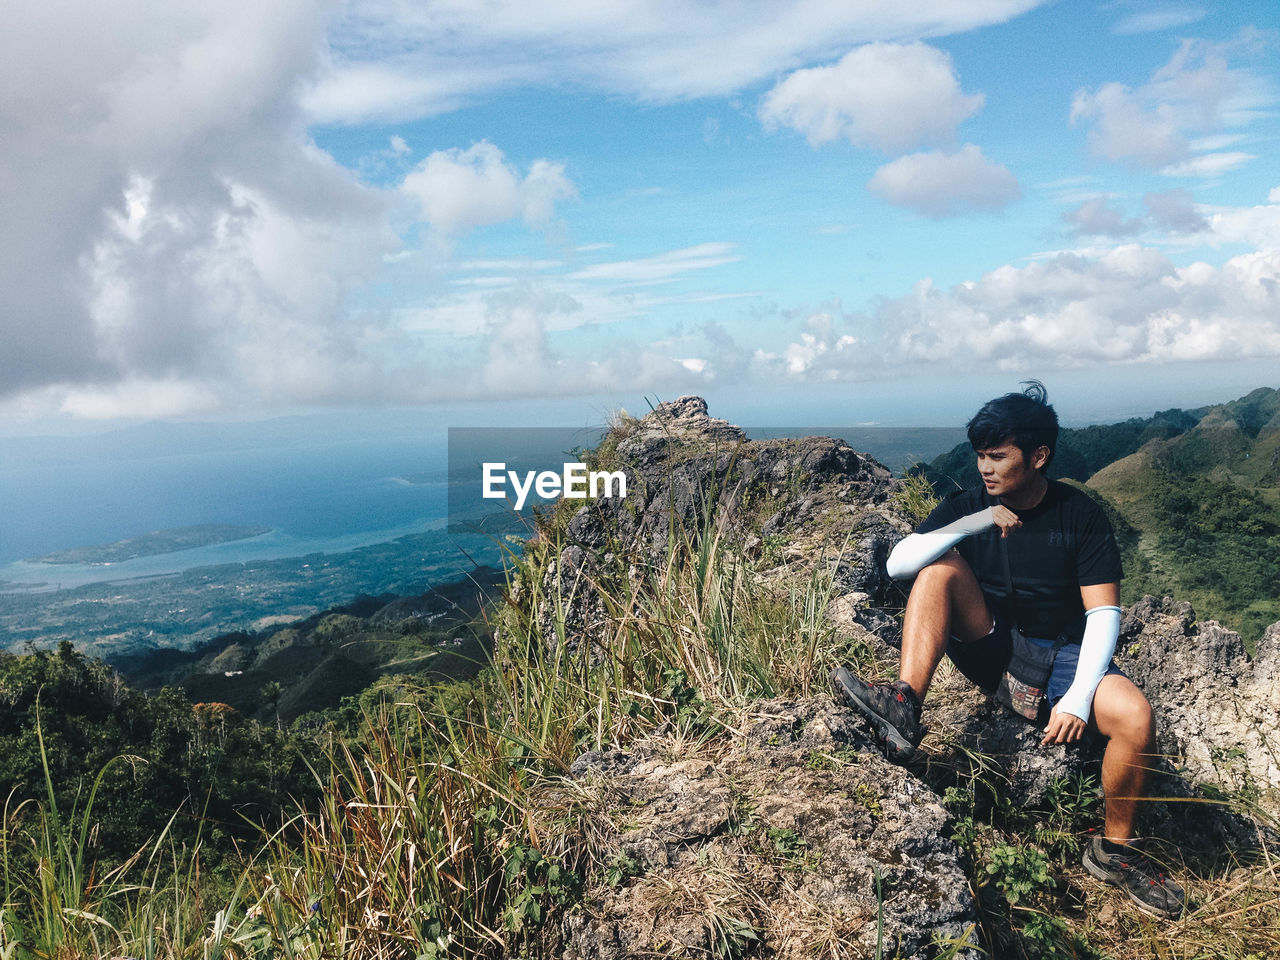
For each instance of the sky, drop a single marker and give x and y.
(503, 212)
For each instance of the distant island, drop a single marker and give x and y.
(154, 543)
(425, 478)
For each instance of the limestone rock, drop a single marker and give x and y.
(1217, 710)
(960, 716)
(776, 837)
(804, 502)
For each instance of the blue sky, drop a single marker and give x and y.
(495, 212)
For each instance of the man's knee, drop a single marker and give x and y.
(1121, 711)
(949, 584)
(946, 570)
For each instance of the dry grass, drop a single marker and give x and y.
(436, 839)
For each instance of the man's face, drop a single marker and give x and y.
(1006, 470)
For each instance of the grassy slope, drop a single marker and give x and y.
(1206, 505)
(334, 654)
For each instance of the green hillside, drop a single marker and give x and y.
(1194, 496)
(313, 664)
(1206, 504)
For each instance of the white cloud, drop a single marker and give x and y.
(890, 96)
(168, 219)
(1125, 128)
(1170, 211)
(1208, 165)
(1174, 211)
(1195, 94)
(251, 293)
(1096, 217)
(1216, 142)
(516, 264)
(175, 241)
(354, 91)
(1113, 306)
(596, 294)
(521, 355)
(1127, 305)
(1274, 195)
(819, 344)
(1258, 226)
(460, 189)
(1150, 21)
(399, 58)
(946, 184)
(663, 267)
(159, 398)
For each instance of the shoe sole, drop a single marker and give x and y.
(1099, 872)
(897, 748)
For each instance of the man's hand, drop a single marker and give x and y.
(1063, 728)
(1005, 519)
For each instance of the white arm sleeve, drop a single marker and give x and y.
(1101, 630)
(916, 551)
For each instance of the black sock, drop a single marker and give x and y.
(1112, 849)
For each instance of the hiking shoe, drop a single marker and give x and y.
(1144, 880)
(891, 708)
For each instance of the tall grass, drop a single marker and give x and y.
(428, 838)
(431, 838)
(406, 851)
(60, 901)
(681, 640)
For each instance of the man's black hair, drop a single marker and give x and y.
(1024, 419)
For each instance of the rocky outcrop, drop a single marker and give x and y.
(693, 473)
(1217, 716)
(1218, 709)
(774, 838)
(794, 503)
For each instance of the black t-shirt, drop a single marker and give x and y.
(1065, 543)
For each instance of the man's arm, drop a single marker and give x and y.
(917, 550)
(1101, 630)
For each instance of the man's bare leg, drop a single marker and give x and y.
(945, 601)
(1122, 714)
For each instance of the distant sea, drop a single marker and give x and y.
(327, 498)
(317, 494)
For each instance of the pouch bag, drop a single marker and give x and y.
(1025, 679)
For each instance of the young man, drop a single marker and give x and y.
(1064, 567)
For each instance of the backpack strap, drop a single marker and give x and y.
(1011, 598)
